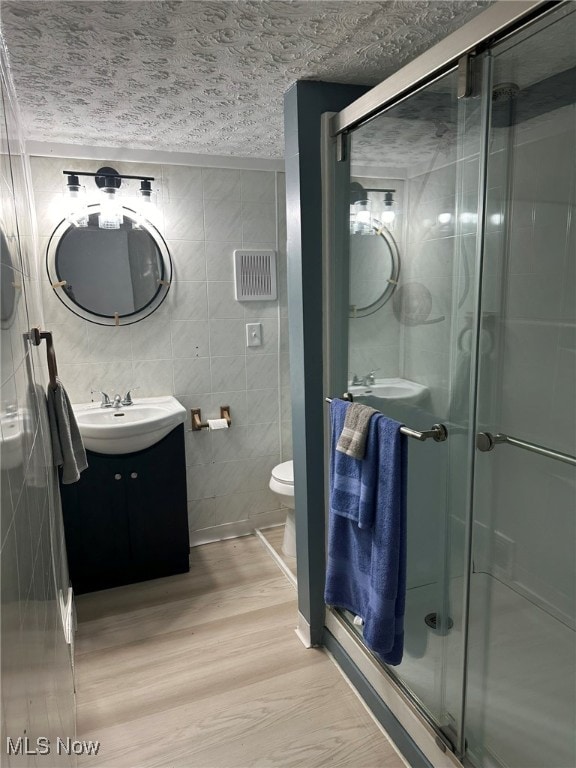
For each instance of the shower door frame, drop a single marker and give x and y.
(494, 24)
(456, 51)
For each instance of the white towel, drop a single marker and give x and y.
(67, 446)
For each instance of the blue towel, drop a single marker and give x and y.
(366, 563)
(351, 480)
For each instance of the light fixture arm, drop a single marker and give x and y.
(359, 193)
(104, 173)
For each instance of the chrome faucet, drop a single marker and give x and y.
(127, 399)
(367, 381)
(118, 401)
(105, 402)
(370, 379)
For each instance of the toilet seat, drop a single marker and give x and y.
(284, 473)
(282, 482)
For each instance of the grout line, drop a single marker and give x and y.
(276, 557)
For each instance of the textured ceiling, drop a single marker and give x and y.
(202, 77)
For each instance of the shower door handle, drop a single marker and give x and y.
(486, 441)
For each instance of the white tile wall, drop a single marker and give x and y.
(534, 293)
(194, 346)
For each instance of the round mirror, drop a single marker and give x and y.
(374, 271)
(109, 276)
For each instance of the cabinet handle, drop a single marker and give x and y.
(117, 476)
(134, 475)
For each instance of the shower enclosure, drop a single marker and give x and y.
(468, 320)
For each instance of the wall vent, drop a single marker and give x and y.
(255, 275)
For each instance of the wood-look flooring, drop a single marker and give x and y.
(204, 670)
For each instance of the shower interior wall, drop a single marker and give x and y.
(194, 345)
(533, 347)
(525, 506)
(37, 682)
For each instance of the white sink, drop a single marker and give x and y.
(390, 389)
(129, 428)
(14, 426)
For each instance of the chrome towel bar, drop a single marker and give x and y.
(486, 441)
(438, 432)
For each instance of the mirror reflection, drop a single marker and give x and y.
(374, 270)
(109, 275)
(10, 290)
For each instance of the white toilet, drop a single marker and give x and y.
(282, 483)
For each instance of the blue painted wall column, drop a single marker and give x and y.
(304, 103)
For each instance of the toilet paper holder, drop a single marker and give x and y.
(198, 424)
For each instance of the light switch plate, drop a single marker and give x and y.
(253, 334)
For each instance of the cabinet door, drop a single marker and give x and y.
(157, 509)
(96, 526)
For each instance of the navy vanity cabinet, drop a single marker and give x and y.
(126, 518)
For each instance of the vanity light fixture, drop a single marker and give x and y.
(362, 219)
(145, 200)
(78, 208)
(146, 191)
(108, 180)
(388, 214)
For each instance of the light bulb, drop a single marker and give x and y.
(363, 211)
(110, 214)
(388, 216)
(144, 205)
(76, 202)
(77, 207)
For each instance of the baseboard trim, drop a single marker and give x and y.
(235, 530)
(276, 557)
(303, 632)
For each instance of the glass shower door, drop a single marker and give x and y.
(412, 243)
(521, 687)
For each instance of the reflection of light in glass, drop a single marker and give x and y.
(110, 212)
(388, 217)
(362, 209)
(368, 215)
(444, 218)
(361, 218)
(496, 219)
(468, 218)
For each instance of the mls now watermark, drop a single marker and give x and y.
(23, 745)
